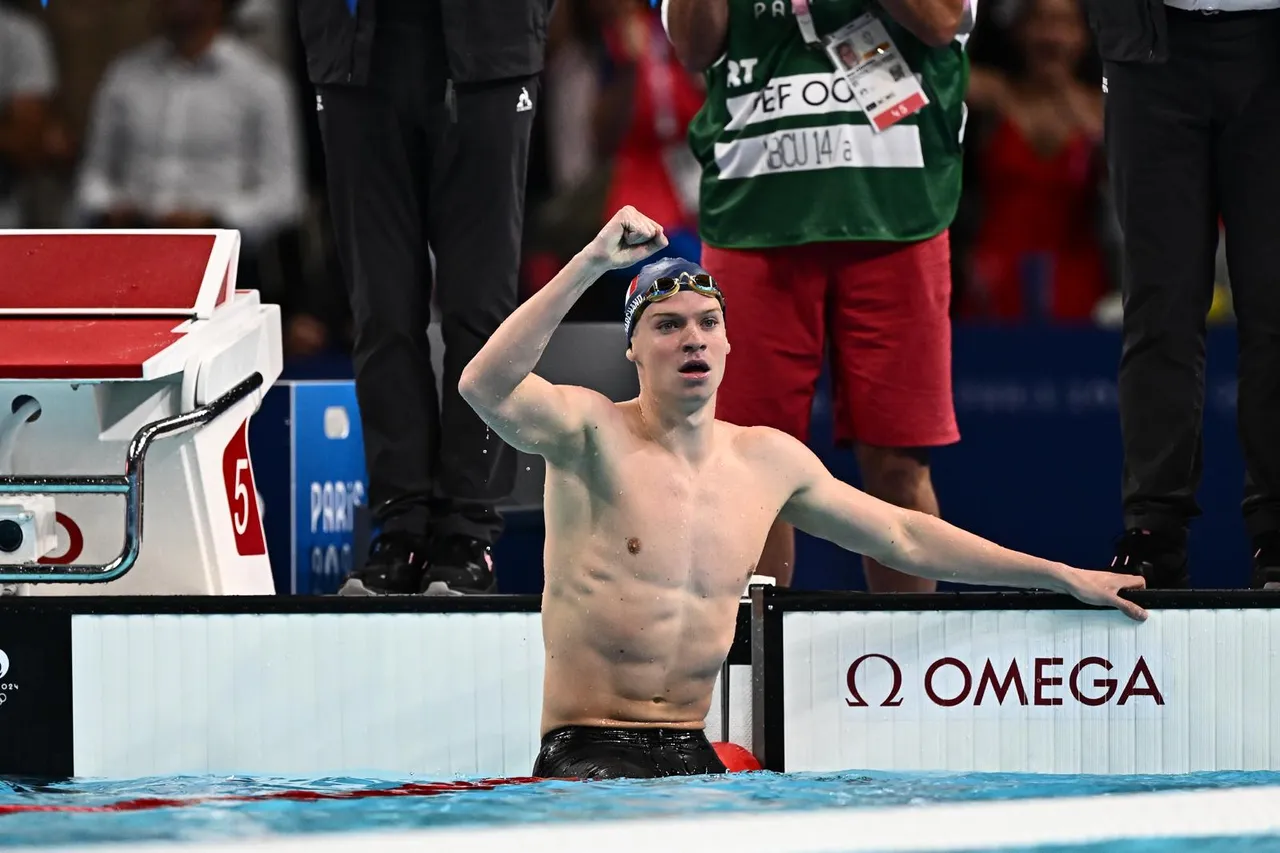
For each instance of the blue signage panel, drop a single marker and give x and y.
(308, 457)
(328, 481)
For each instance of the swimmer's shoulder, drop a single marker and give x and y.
(587, 406)
(774, 455)
(758, 443)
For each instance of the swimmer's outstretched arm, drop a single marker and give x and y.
(923, 545)
(525, 410)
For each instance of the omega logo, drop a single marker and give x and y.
(1085, 682)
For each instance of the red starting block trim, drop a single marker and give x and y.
(61, 348)
(130, 273)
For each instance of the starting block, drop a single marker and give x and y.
(127, 353)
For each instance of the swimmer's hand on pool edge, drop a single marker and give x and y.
(525, 410)
(920, 544)
(1104, 588)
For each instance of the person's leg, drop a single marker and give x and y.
(1159, 138)
(774, 315)
(891, 354)
(375, 161)
(1248, 86)
(479, 161)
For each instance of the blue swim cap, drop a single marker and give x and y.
(661, 280)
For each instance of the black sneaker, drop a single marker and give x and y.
(1266, 561)
(1160, 560)
(397, 559)
(459, 565)
(396, 565)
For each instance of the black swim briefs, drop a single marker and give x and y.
(590, 752)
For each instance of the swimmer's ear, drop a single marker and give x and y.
(631, 355)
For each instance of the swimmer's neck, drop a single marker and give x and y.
(684, 432)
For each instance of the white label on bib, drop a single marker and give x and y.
(882, 82)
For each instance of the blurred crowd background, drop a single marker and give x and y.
(91, 111)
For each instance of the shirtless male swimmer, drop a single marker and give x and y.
(656, 514)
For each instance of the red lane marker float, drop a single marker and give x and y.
(412, 789)
(735, 758)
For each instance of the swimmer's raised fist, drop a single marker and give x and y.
(1103, 588)
(627, 238)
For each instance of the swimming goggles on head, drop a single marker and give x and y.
(668, 286)
(665, 287)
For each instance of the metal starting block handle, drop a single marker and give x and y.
(129, 485)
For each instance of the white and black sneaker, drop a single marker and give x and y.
(396, 566)
(397, 558)
(459, 565)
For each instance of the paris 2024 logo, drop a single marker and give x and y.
(6, 687)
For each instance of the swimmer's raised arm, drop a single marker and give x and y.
(525, 410)
(923, 545)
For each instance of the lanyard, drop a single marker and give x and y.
(805, 20)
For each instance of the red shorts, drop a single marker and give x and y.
(885, 309)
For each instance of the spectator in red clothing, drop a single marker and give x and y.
(641, 105)
(1039, 251)
(642, 117)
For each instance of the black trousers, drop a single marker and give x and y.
(1189, 140)
(412, 163)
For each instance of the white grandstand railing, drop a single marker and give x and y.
(1206, 813)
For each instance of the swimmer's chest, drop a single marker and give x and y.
(709, 522)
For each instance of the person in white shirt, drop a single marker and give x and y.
(193, 130)
(28, 80)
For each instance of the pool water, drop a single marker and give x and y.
(221, 808)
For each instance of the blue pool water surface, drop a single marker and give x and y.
(546, 801)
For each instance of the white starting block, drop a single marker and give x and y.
(129, 368)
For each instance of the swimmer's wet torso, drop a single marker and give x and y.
(647, 556)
